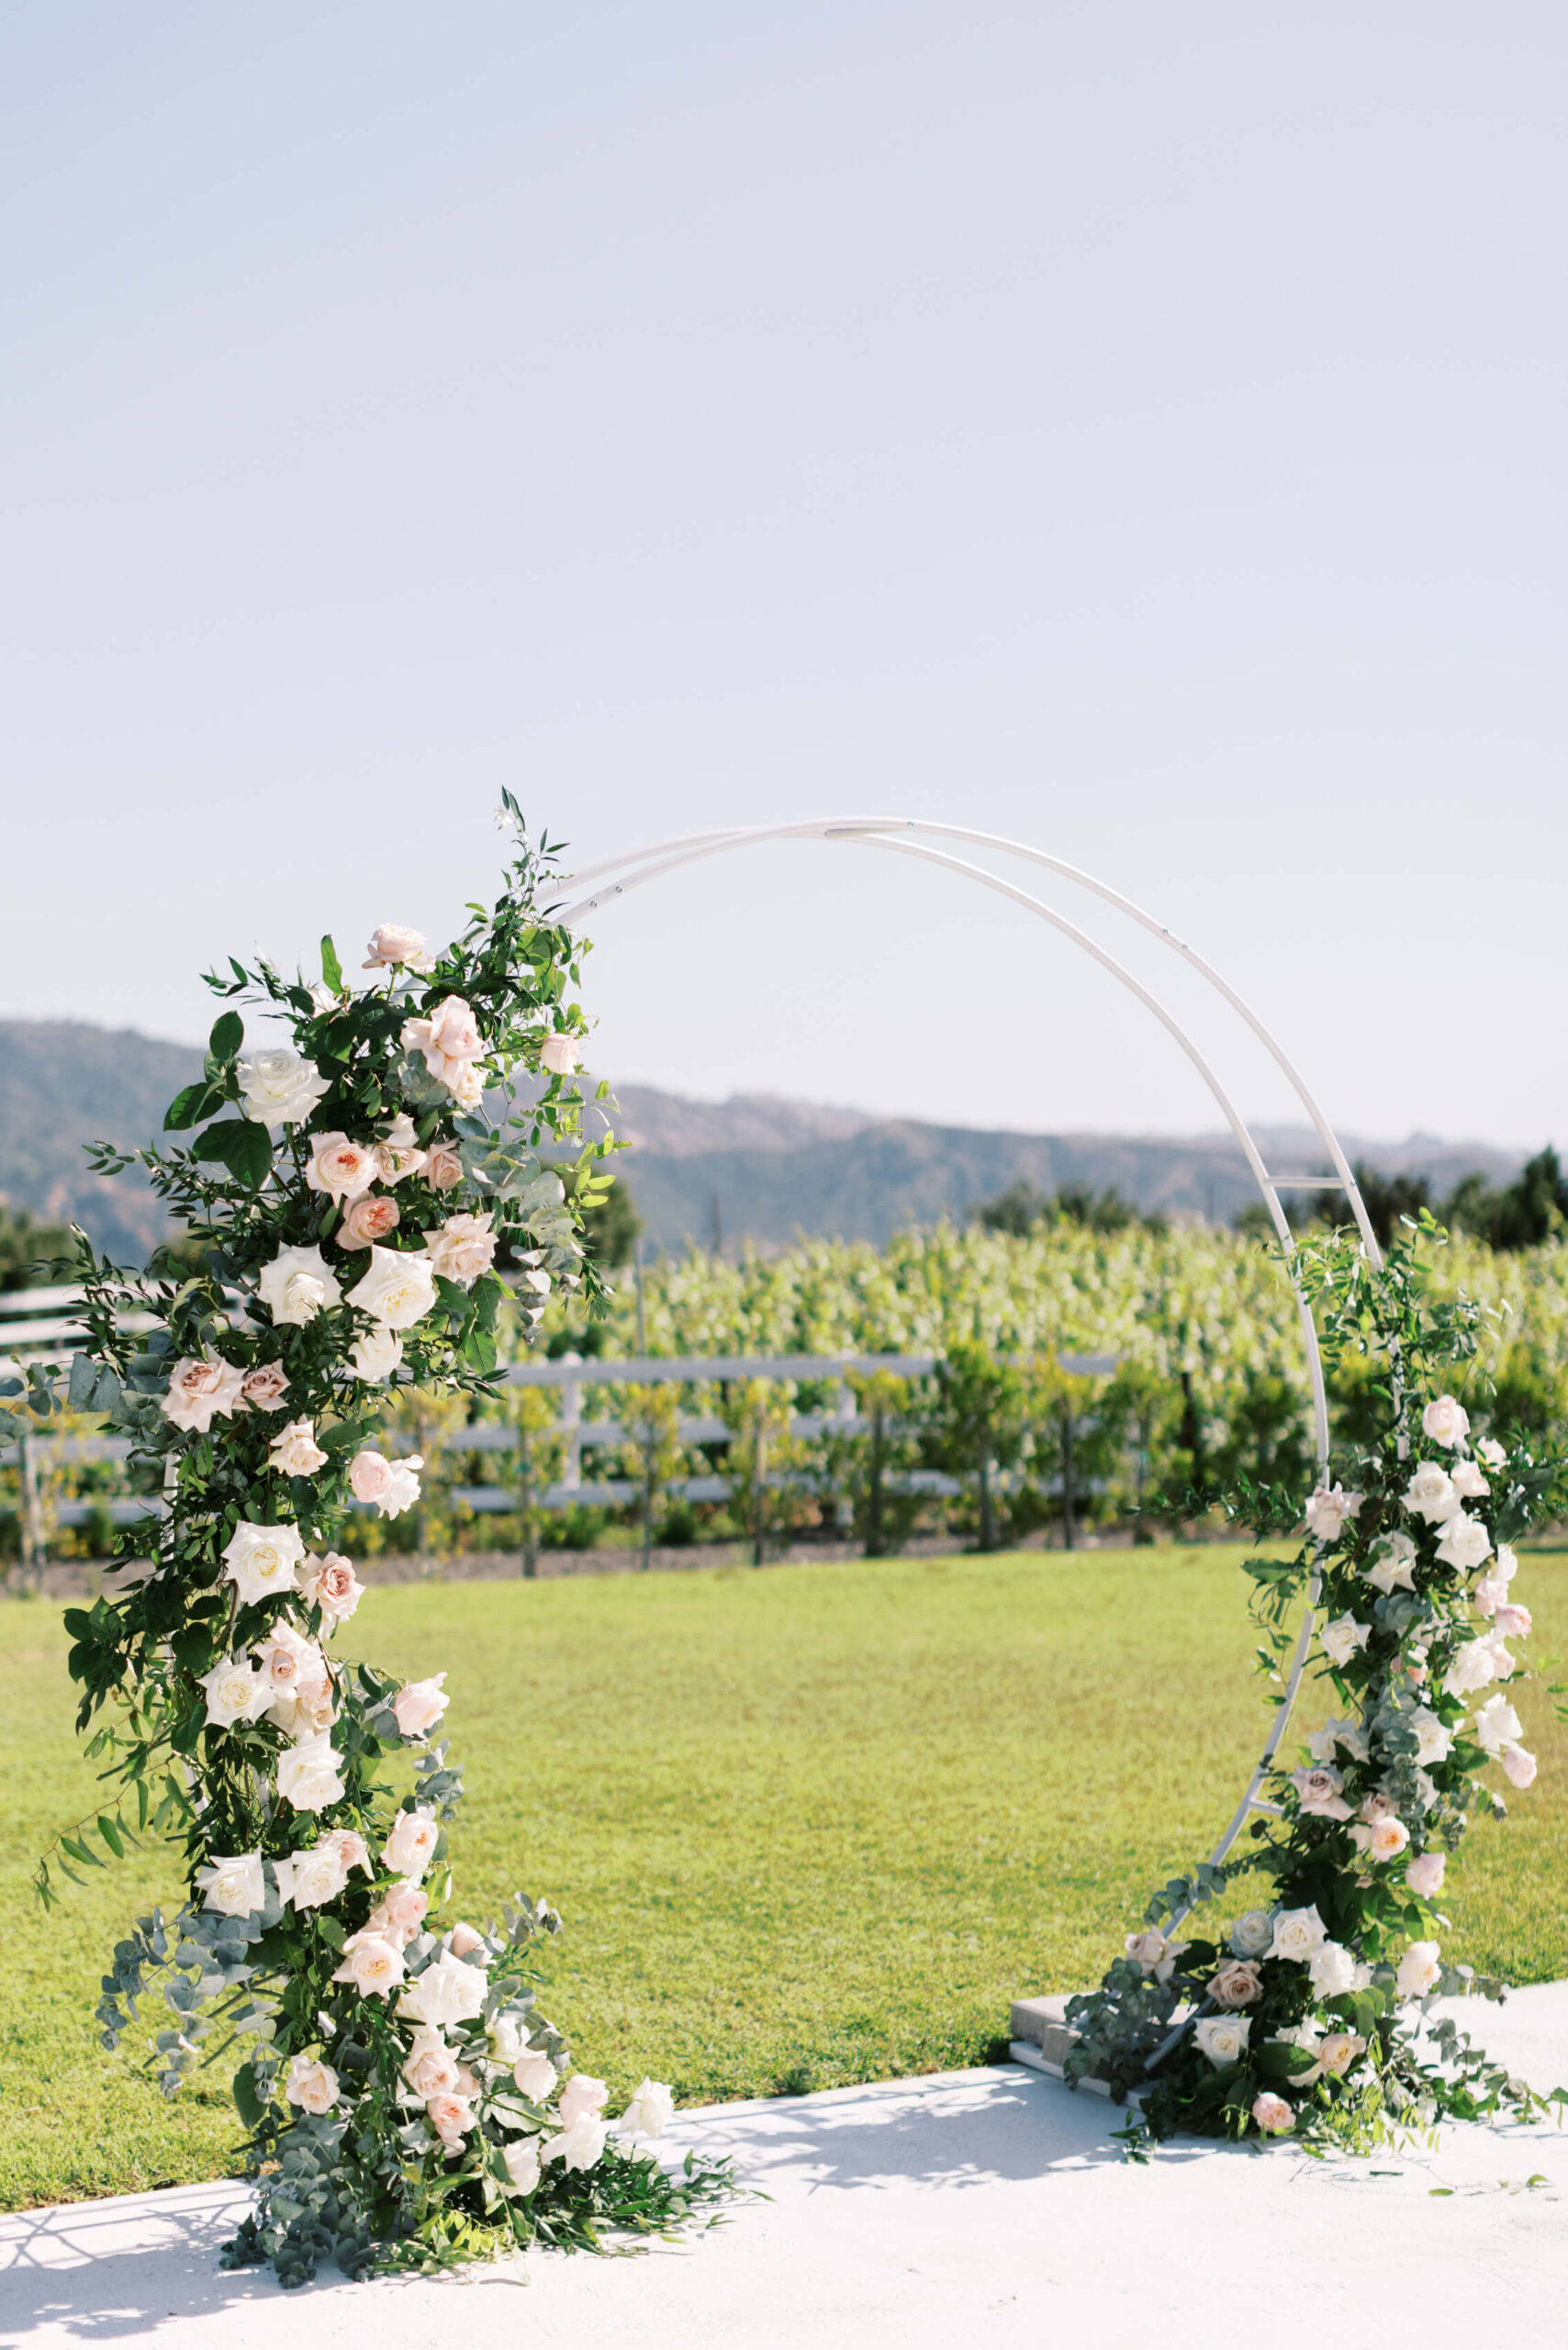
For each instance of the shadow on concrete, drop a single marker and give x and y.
(97, 2271)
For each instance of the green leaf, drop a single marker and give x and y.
(191, 1105)
(244, 1148)
(110, 1832)
(228, 1036)
(331, 970)
(247, 2101)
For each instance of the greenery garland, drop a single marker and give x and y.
(405, 2101)
(1307, 2012)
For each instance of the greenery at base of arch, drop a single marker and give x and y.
(1303, 2008)
(357, 1219)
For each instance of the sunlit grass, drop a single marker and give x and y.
(810, 1826)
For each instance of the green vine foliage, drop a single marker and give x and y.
(361, 1209)
(1302, 2008)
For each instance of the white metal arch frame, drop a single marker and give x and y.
(908, 837)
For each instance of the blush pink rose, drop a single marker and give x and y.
(420, 1704)
(1425, 1873)
(452, 2117)
(411, 1845)
(353, 1852)
(370, 1476)
(331, 1584)
(1519, 1765)
(197, 1388)
(464, 1939)
(582, 2095)
(372, 1964)
(1513, 1621)
(399, 1914)
(367, 1220)
(443, 1166)
(312, 2085)
(1272, 2114)
(462, 1248)
(430, 2068)
(295, 1451)
(559, 1054)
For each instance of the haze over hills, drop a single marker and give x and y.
(753, 1167)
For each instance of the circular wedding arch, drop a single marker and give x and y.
(615, 877)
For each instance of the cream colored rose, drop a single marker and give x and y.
(448, 1991)
(429, 2067)
(1496, 1723)
(264, 1388)
(331, 1584)
(522, 2159)
(1430, 1493)
(1425, 1873)
(1445, 1421)
(290, 1661)
(1342, 1638)
(1464, 1542)
(1468, 1480)
(372, 1964)
(398, 1290)
(1492, 1452)
(463, 1938)
(233, 1887)
(1327, 1510)
(451, 1043)
(279, 1087)
(410, 1846)
(263, 1560)
(1434, 1742)
(377, 1354)
(308, 1878)
(1156, 1956)
(462, 1249)
(341, 1168)
(403, 1491)
(308, 1775)
(1320, 1791)
(580, 2145)
(650, 2111)
(535, 2076)
(559, 1054)
(235, 1693)
(398, 1154)
(443, 1166)
(1337, 2051)
(199, 1386)
(1383, 1840)
(1393, 1568)
(1419, 1970)
(312, 2085)
(1222, 2039)
(367, 1220)
(1334, 1970)
(1471, 1667)
(351, 1849)
(1297, 1933)
(392, 945)
(420, 1704)
(295, 1451)
(298, 1285)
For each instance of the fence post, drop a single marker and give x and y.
(525, 1495)
(758, 1497)
(571, 1420)
(33, 1544)
(874, 1482)
(1067, 1493)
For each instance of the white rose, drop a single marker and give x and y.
(535, 2076)
(234, 1887)
(451, 1044)
(1327, 1510)
(235, 1693)
(1430, 1493)
(344, 1169)
(1445, 1421)
(429, 2067)
(1251, 1935)
(1334, 1970)
(263, 1559)
(1434, 1743)
(1297, 1933)
(1154, 1953)
(410, 1846)
(372, 1964)
(651, 2110)
(398, 1290)
(312, 2085)
(391, 945)
(1471, 1667)
(308, 1775)
(308, 1878)
(1492, 1452)
(1468, 1481)
(398, 1154)
(1496, 1723)
(1325, 1743)
(449, 1991)
(580, 2146)
(522, 2159)
(295, 1452)
(1393, 1567)
(1504, 1565)
(298, 1285)
(1342, 1638)
(402, 1485)
(1381, 1840)
(506, 2039)
(420, 1704)
(279, 1087)
(378, 1355)
(559, 1054)
(1223, 2039)
(1519, 1765)
(1464, 1542)
(1419, 1970)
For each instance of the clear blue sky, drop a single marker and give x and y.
(1138, 429)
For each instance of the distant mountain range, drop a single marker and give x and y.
(754, 1167)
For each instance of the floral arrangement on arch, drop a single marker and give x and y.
(1308, 2013)
(361, 1222)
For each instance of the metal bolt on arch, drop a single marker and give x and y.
(912, 836)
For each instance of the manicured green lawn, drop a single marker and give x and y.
(810, 1825)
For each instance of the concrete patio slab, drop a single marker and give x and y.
(976, 2208)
